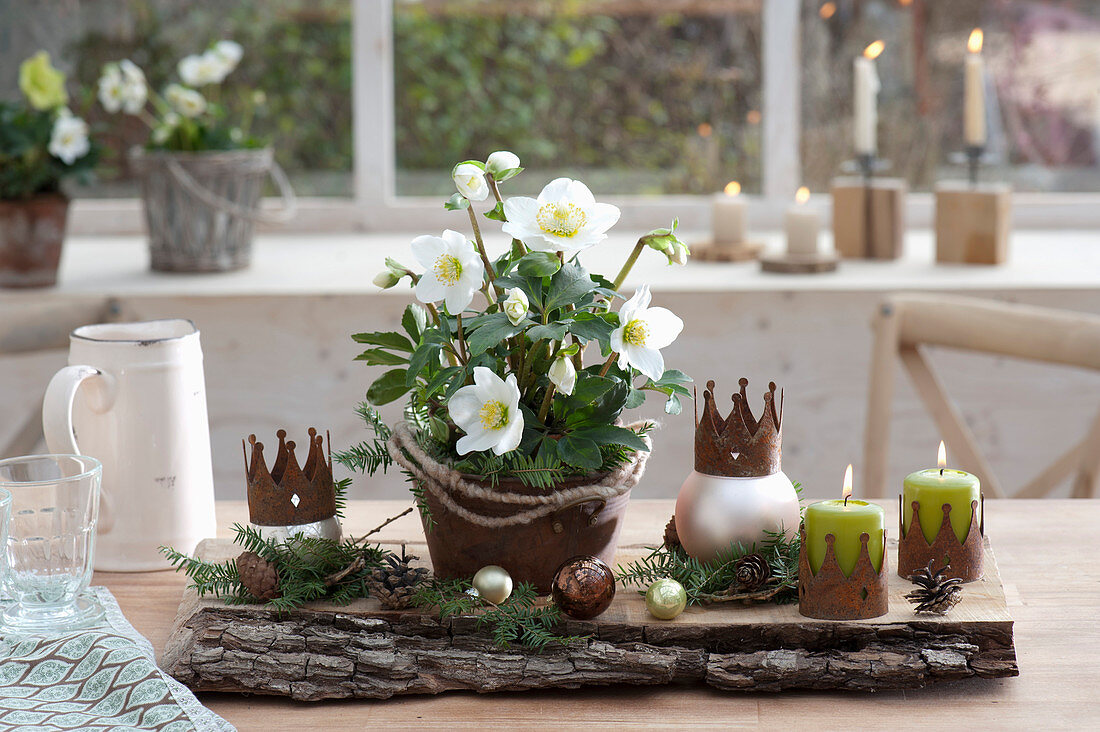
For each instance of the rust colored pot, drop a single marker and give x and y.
(530, 552)
(31, 234)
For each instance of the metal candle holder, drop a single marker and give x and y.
(829, 595)
(965, 559)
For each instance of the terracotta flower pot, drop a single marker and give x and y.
(31, 234)
(528, 531)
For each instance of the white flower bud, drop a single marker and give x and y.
(563, 375)
(679, 253)
(501, 161)
(386, 279)
(470, 181)
(516, 306)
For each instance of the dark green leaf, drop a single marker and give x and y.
(421, 358)
(440, 379)
(538, 264)
(414, 321)
(550, 332)
(590, 327)
(497, 214)
(580, 452)
(611, 435)
(568, 285)
(387, 339)
(387, 387)
(635, 399)
(589, 388)
(378, 357)
(494, 329)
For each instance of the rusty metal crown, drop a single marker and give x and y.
(739, 446)
(289, 495)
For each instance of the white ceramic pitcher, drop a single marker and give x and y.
(134, 398)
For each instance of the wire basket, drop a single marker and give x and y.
(200, 207)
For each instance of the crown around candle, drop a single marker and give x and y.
(739, 446)
(289, 495)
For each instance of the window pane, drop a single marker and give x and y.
(1042, 62)
(298, 52)
(621, 93)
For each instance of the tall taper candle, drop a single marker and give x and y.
(865, 102)
(974, 106)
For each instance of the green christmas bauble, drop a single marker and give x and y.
(493, 583)
(665, 599)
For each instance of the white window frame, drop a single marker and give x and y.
(375, 205)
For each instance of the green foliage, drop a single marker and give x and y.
(517, 620)
(305, 566)
(705, 582)
(26, 166)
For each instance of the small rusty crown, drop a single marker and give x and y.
(289, 495)
(739, 446)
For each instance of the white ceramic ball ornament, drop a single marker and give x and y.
(737, 492)
(493, 583)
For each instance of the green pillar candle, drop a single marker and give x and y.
(845, 521)
(934, 487)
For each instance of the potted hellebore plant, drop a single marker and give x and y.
(201, 175)
(518, 371)
(41, 144)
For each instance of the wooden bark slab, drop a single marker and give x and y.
(325, 652)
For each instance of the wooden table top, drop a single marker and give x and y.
(1047, 555)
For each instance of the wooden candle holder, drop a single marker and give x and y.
(725, 251)
(965, 559)
(972, 223)
(869, 217)
(829, 595)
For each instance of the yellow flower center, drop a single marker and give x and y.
(448, 269)
(635, 332)
(561, 219)
(494, 415)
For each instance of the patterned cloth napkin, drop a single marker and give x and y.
(102, 678)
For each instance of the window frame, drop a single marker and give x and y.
(375, 205)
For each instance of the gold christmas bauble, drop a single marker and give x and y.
(665, 599)
(493, 583)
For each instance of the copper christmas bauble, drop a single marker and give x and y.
(583, 587)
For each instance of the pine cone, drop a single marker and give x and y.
(752, 571)
(672, 539)
(258, 576)
(395, 582)
(936, 593)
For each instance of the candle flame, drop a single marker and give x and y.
(974, 43)
(874, 50)
(847, 491)
(802, 195)
(827, 10)
(941, 456)
(704, 129)
(732, 188)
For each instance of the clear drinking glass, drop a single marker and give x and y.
(47, 553)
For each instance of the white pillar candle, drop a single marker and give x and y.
(865, 102)
(729, 215)
(803, 225)
(974, 102)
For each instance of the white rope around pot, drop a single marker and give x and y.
(444, 482)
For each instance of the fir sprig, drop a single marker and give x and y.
(707, 582)
(519, 619)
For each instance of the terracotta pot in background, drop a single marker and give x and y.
(31, 234)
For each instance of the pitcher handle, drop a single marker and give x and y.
(57, 419)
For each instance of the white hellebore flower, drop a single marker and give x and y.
(516, 306)
(229, 53)
(501, 161)
(563, 375)
(488, 412)
(202, 69)
(187, 102)
(564, 218)
(135, 91)
(642, 332)
(470, 181)
(112, 88)
(69, 138)
(454, 270)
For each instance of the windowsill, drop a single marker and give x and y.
(346, 263)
